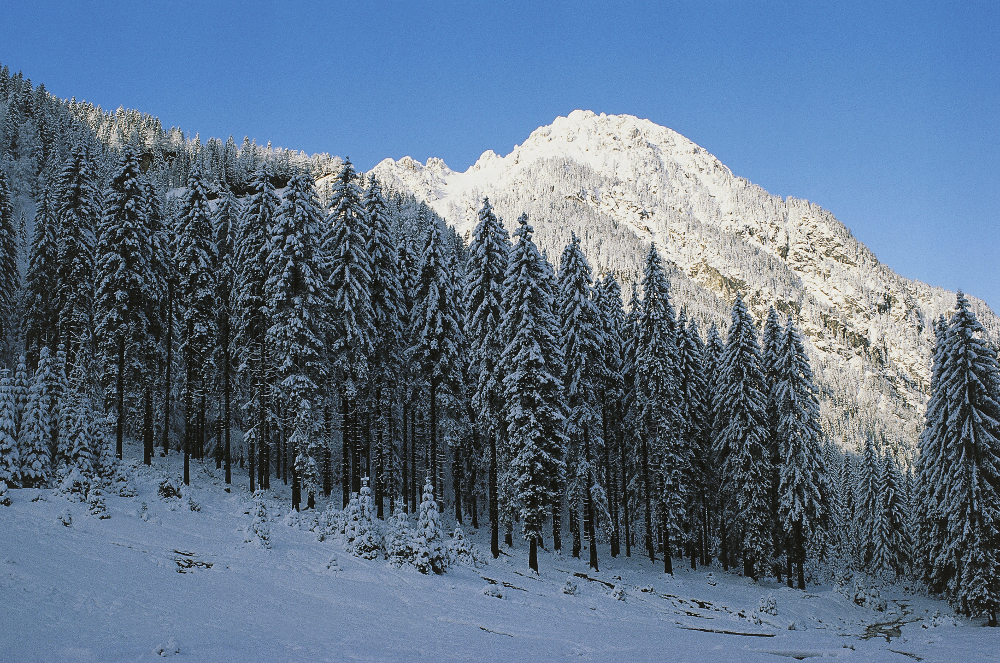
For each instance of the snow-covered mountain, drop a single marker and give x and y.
(621, 182)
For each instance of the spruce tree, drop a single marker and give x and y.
(532, 387)
(484, 303)
(9, 275)
(41, 324)
(295, 291)
(867, 504)
(10, 460)
(79, 215)
(612, 400)
(352, 335)
(771, 357)
(890, 534)
(124, 284)
(803, 503)
(226, 220)
(742, 442)
(196, 290)
(583, 352)
(695, 433)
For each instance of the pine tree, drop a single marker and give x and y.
(968, 566)
(252, 254)
(484, 303)
(695, 432)
(36, 429)
(742, 415)
(387, 302)
(890, 536)
(41, 324)
(867, 504)
(78, 212)
(20, 389)
(532, 364)
(771, 357)
(803, 503)
(10, 460)
(582, 349)
(196, 260)
(124, 284)
(714, 349)
(295, 291)
(352, 335)
(9, 275)
(612, 397)
(436, 333)
(429, 554)
(225, 220)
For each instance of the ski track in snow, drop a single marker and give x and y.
(125, 589)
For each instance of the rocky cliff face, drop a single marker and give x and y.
(620, 183)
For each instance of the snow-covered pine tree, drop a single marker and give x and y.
(79, 214)
(36, 428)
(714, 349)
(196, 256)
(226, 220)
(867, 504)
(532, 365)
(352, 335)
(969, 560)
(386, 302)
(665, 460)
(803, 489)
(10, 460)
(124, 284)
(20, 389)
(295, 292)
(408, 275)
(612, 395)
(436, 334)
(930, 470)
(771, 357)
(428, 541)
(252, 252)
(41, 317)
(890, 536)
(582, 340)
(742, 414)
(9, 273)
(694, 432)
(484, 303)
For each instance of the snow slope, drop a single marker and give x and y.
(182, 582)
(621, 182)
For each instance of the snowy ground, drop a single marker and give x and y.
(183, 583)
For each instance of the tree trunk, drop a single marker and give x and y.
(668, 553)
(533, 555)
(169, 367)
(626, 516)
(473, 477)
(413, 460)
(120, 401)
(227, 388)
(404, 457)
(556, 525)
(345, 437)
(612, 483)
(724, 545)
(589, 499)
(433, 466)
(147, 425)
(494, 506)
(645, 487)
(456, 479)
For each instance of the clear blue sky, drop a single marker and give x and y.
(884, 113)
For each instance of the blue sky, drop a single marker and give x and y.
(884, 113)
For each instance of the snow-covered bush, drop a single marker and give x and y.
(123, 480)
(619, 592)
(429, 551)
(864, 593)
(168, 489)
(938, 619)
(398, 537)
(496, 591)
(329, 522)
(74, 486)
(258, 532)
(349, 519)
(366, 541)
(570, 587)
(767, 605)
(95, 500)
(4, 495)
(65, 518)
(461, 549)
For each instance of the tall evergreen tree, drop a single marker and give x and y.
(124, 283)
(353, 333)
(226, 220)
(612, 400)
(79, 215)
(295, 291)
(9, 275)
(694, 399)
(10, 459)
(41, 324)
(803, 489)
(890, 534)
(771, 357)
(484, 303)
(196, 261)
(437, 333)
(742, 414)
(582, 341)
(532, 387)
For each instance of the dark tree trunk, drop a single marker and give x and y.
(724, 545)
(590, 511)
(413, 460)
(645, 489)
(574, 526)
(147, 425)
(626, 516)
(169, 367)
(327, 454)
(556, 525)
(263, 443)
(668, 553)
(404, 457)
(345, 438)
(456, 479)
(508, 534)
(227, 388)
(494, 506)
(296, 489)
(609, 471)
(120, 401)
(533, 555)
(433, 460)
(377, 474)
(473, 477)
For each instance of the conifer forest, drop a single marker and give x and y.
(286, 322)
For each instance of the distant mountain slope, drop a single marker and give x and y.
(621, 182)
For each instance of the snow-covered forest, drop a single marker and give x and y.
(293, 322)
